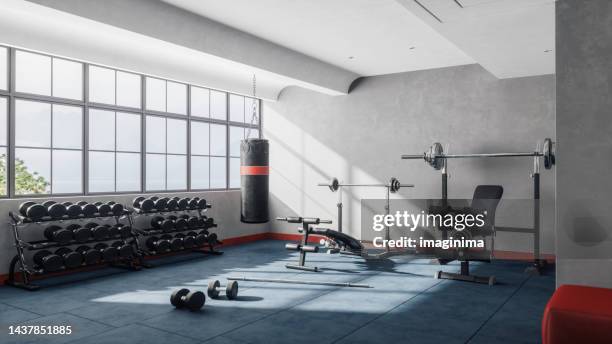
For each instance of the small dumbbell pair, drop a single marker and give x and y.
(194, 300)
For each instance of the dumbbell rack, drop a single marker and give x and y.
(207, 248)
(27, 271)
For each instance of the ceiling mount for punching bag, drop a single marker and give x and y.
(254, 171)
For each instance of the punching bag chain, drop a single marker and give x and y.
(253, 107)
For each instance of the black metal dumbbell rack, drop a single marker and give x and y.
(208, 248)
(27, 270)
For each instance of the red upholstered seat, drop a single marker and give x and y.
(578, 314)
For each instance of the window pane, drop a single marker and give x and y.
(128, 172)
(67, 127)
(177, 98)
(248, 110)
(67, 79)
(128, 89)
(128, 132)
(67, 171)
(156, 172)
(3, 120)
(236, 135)
(177, 136)
(3, 176)
(3, 68)
(217, 173)
(156, 134)
(33, 73)
(101, 130)
(32, 171)
(234, 172)
(199, 138)
(218, 105)
(101, 85)
(199, 172)
(236, 108)
(101, 172)
(217, 139)
(156, 94)
(177, 172)
(199, 101)
(32, 124)
(253, 134)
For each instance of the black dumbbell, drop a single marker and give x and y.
(159, 222)
(98, 232)
(80, 233)
(90, 255)
(180, 224)
(72, 210)
(32, 210)
(176, 244)
(187, 241)
(125, 231)
(103, 209)
(193, 203)
(192, 300)
(192, 221)
(87, 209)
(161, 203)
(231, 289)
(125, 250)
(58, 234)
(117, 209)
(143, 203)
(158, 245)
(202, 204)
(213, 239)
(48, 261)
(55, 210)
(200, 239)
(183, 203)
(109, 253)
(172, 204)
(113, 231)
(71, 259)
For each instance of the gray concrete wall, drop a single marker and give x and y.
(359, 138)
(225, 210)
(584, 106)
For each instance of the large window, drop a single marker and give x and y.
(80, 128)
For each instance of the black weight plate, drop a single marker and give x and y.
(213, 289)
(48, 203)
(110, 254)
(176, 297)
(231, 291)
(72, 260)
(92, 257)
(23, 207)
(38, 256)
(117, 209)
(82, 234)
(89, 209)
(161, 203)
(104, 209)
(176, 244)
(136, 201)
(63, 236)
(193, 222)
(195, 300)
(202, 204)
(113, 231)
(125, 231)
(162, 246)
(36, 212)
(200, 239)
(181, 224)
(172, 204)
(101, 233)
(167, 225)
(73, 210)
(183, 203)
(189, 242)
(56, 210)
(52, 263)
(125, 251)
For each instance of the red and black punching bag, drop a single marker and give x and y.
(254, 171)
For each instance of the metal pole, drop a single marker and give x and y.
(339, 205)
(369, 185)
(473, 155)
(288, 281)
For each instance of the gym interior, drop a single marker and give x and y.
(207, 171)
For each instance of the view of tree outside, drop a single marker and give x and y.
(26, 182)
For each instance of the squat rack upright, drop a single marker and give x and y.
(437, 159)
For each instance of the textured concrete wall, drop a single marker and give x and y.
(225, 210)
(584, 112)
(360, 137)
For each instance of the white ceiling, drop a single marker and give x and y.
(507, 37)
(381, 35)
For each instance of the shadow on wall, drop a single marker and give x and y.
(360, 137)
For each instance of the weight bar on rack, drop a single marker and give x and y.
(32, 210)
(394, 185)
(72, 210)
(58, 234)
(87, 209)
(70, 258)
(192, 300)
(126, 251)
(91, 256)
(99, 232)
(165, 224)
(215, 288)
(157, 244)
(109, 253)
(80, 233)
(47, 261)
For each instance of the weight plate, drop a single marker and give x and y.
(72, 260)
(73, 210)
(36, 212)
(433, 156)
(334, 185)
(23, 207)
(81, 234)
(213, 291)
(231, 291)
(56, 210)
(89, 210)
(116, 209)
(195, 300)
(176, 297)
(136, 201)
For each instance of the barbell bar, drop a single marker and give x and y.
(394, 184)
(290, 281)
(435, 157)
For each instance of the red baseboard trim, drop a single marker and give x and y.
(313, 239)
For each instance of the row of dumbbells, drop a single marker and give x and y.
(181, 241)
(67, 258)
(90, 231)
(67, 210)
(194, 300)
(181, 223)
(154, 203)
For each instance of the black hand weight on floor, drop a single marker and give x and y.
(183, 298)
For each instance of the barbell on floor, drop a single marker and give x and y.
(394, 185)
(290, 281)
(436, 157)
